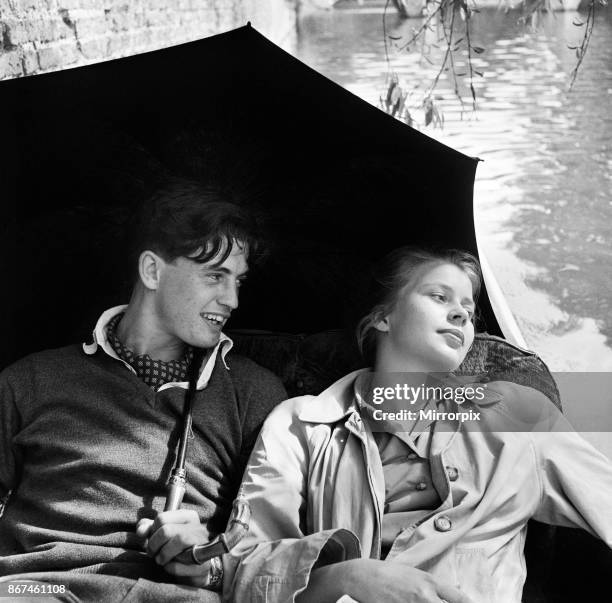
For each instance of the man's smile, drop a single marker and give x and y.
(214, 319)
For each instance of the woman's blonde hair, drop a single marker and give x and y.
(395, 272)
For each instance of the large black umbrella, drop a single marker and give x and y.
(342, 183)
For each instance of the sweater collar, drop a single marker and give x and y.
(100, 340)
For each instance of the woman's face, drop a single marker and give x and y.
(430, 328)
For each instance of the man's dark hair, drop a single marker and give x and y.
(186, 219)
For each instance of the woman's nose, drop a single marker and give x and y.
(458, 316)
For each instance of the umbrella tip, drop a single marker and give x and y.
(248, 24)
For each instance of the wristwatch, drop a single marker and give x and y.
(215, 574)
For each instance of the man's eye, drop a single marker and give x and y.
(213, 276)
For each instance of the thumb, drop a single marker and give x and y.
(451, 594)
(143, 527)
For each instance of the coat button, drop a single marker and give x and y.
(411, 456)
(453, 473)
(421, 486)
(443, 523)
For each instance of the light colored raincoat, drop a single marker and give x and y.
(316, 488)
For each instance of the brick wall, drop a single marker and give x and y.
(47, 35)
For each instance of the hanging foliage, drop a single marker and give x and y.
(444, 39)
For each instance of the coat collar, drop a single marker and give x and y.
(334, 403)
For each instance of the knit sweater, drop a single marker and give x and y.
(86, 448)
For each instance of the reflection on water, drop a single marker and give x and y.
(543, 196)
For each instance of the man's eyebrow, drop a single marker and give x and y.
(225, 270)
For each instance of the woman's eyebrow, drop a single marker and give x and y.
(448, 289)
(436, 284)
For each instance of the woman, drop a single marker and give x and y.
(353, 495)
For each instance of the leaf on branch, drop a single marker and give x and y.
(432, 114)
(478, 49)
(401, 103)
(393, 93)
(428, 115)
(478, 73)
(394, 37)
(462, 74)
(577, 23)
(396, 95)
(572, 47)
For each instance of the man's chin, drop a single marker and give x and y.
(205, 342)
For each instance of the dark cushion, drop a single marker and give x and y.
(307, 364)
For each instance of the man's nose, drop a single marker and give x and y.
(229, 295)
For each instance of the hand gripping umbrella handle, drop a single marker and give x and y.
(238, 527)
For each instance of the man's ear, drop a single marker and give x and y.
(150, 266)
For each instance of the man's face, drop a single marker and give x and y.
(193, 300)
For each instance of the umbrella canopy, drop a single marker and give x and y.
(341, 182)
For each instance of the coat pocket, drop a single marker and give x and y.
(474, 574)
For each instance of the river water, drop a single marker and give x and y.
(543, 194)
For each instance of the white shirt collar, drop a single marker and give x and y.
(100, 339)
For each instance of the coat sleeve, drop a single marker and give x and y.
(575, 480)
(273, 562)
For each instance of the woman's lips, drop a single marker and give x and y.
(454, 337)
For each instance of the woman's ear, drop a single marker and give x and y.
(382, 324)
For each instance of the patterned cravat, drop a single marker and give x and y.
(153, 372)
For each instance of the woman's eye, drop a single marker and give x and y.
(213, 277)
(439, 296)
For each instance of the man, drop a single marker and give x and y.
(89, 434)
